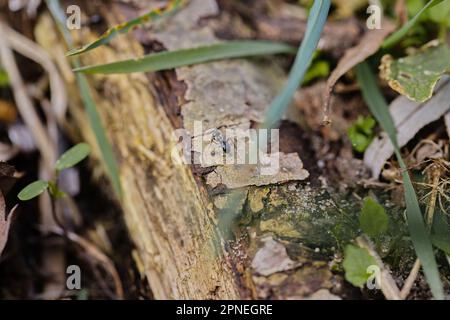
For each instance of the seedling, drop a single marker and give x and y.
(361, 133)
(69, 159)
(373, 221)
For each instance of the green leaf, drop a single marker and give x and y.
(440, 13)
(89, 103)
(361, 133)
(414, 6)
(319, 69)
(373, 219)
(394, 38)
(73, 156)
(55, 192)
(178, 58)
(442, 242)
(100, 135)
(316, 21)
(33, 190)
(359, 141)
(125, 27)
(441, 232)
(356, 262)
(417, 229)
(416, 76)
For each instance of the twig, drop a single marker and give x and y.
(97, 254)
(387, 283)
(36, 53)
(23, 101)
(409, 282)
(434, 175)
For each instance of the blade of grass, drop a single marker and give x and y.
(174, 59)
(418, 231)
(97, 127)
(89, 104)
(399, 34)
(316, 21)
(110, 34)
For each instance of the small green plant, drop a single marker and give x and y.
(106, 151)
(356, 263)
(69, 159)
(320, 68)
(373, 219)
(438, 14)
(394, 38)
(361, 133)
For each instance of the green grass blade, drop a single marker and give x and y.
(417, 228)
(316, 21)
(100, 135)
(152, 15)
(178, 58)
(89, 104)
(399, 34)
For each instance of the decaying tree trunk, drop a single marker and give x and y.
(284, 229)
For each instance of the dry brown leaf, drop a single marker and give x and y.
(272, 258)
(5, 222)
(337, 36)
(8, 177)
(369, 44)
(310, 100)
(401, 11)
(8, 113)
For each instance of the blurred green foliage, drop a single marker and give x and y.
(4, 79)
(361, 133)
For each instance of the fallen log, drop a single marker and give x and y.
(284, 230)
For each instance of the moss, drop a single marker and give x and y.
(305, 215)
(313, 222)
(256, 197)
